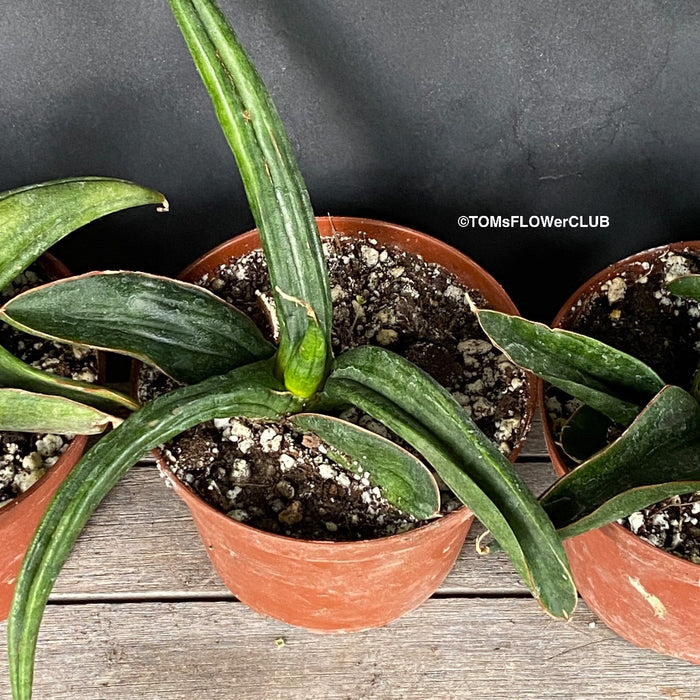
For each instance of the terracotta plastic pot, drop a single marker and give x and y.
(20, 518)
(339, 586)
(646, 595)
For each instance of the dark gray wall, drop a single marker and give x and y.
(412, 111)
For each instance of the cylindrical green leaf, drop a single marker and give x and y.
(604, 378)
(403, 479)
(248, 391)
(276, 191)
(660, 448)
(413, 405)
(17, 374)
(307, 365)
(686, 286)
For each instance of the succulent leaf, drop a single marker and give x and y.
(35, 217)
(403, 479)
(17, 374)
(249, 391)
(419, 410)
(658, 456)
(25, 411)
(585, 433)
(307, 365)
(686, 286)
(276, 191)
(604, 378)
(186, 331)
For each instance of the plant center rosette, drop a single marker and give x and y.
(269, 502)
(275, 478)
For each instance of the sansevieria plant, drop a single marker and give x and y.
(32, 219)
(657, 456)
(230, 370)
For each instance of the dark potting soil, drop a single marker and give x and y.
(271, 476)
(641, 317)
(25, 457)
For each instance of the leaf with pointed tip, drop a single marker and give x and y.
(27, 412)
(613, 382)
(276, 191)
(585, 433)
(413, 405)
(249, 391)
(658, 456)
(686, 286)
(19, 375)
(403, 479)
(185, 330)
(34, 217)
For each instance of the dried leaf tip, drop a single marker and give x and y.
(330, 221)
(481, 549)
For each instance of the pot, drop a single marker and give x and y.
(339, 586)
(20, 518)
(648, 596)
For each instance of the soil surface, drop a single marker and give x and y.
(634, 312)
(276, 479)
(25, 457)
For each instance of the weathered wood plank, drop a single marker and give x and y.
(458, 648)
(142, 543)
(535, 446)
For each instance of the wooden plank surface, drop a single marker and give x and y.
(457, 648)
(535, 446)
(138, 612)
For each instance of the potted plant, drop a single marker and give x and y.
(47, 401)
(229, 369)
(627, 447)
(398, 572)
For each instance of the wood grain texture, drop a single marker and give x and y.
(535, 446)
(457, 648)
(171, 631)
